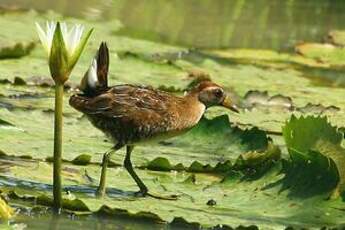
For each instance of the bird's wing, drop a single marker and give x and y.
(137, 105)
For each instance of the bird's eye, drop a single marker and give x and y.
(218, 93)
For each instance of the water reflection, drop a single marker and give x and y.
(209, 23)
(71, 222)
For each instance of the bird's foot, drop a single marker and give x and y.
(156, 196)
(163, 197)
(141, 194)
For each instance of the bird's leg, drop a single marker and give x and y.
(106, 157)
(143, 189)
(128, 165)
(101, 187)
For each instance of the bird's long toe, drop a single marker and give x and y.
(163, 197)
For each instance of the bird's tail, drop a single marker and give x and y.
(95, 79)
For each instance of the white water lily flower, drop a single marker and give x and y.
(64, 47)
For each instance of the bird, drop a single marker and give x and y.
(133, 115)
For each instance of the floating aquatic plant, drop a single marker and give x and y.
(64, 47)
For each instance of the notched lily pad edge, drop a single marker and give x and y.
(248, 161)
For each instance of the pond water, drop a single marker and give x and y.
(209, 23)
(68, 222)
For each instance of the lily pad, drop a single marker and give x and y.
(264, 58)
(315, 144)
(239, 202)
(323, 53)
(16, 42)
(337, 37)
(16, 50)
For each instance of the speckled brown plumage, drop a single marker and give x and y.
(133, 115)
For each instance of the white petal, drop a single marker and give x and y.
(50, 33)
(64, 29)
(75, 37)
(71, 39)
(43, 37)
(80, 33)
(65, 34)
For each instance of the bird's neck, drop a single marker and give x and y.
(191, 110)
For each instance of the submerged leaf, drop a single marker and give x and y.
(256, 160)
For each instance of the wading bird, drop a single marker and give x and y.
(132, 115)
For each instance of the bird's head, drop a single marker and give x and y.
(211, 94)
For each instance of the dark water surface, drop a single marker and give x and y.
(65, 222)
(208, 23)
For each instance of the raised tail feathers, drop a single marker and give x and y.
(95, 79)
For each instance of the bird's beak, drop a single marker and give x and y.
(227, 103)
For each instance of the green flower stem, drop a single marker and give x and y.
(59, 88)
